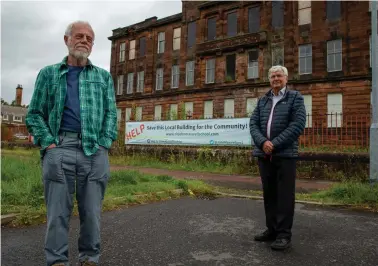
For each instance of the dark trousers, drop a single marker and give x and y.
(278, 180)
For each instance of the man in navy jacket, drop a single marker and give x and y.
(275, 126)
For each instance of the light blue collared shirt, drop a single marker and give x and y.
(275, 98)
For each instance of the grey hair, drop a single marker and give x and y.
(278, 68)
(70, 26)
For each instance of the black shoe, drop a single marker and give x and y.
(281, 244)
(265, 236)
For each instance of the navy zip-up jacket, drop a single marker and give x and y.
(288, 123)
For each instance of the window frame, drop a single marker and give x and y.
(142, 48)
(140, 81)
(161, 42)
(159, 79)
(208, 37)
(132, 50)
(334, 53)
(176, 39)
(208, 69)
(304, 7)
(227, 70)
(229, 33)
(120, 81)
(17, 120)
(175, 76)
(276, 12)
(253, 67)
(130, 83)
(192, 41)
(251, 22)
(188, 71)
(122, 52)
(306, 56)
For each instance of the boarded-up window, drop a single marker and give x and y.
(211, 29)
(277, 14)
(120, 85)
(176, 38)
(251, 105)
(139, 113)
(254, 19)
(304, 12)
(189, 109)
(191, 34)
(122, 48)
(305, 59)
(161, 42)
(334, 56)
(140, 83)
(230, 67)
(189, 73)
(132, 50)
(335, 109)
(130, 83)
(232, 24)
(253, 64)
(333, 10)
(208, 110)
(175, 76)
(159, 79)
(308, 106)
(210, 70)
(157, 115)
(229, 108)
(142, 46)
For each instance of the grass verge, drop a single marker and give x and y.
(355, 195)
(202, 164)
(22, 189)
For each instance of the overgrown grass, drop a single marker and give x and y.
(20, 151)
(353, 194)
(22, 189)
(334, 149)
(234, 165)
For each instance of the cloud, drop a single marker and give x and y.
(32, 34)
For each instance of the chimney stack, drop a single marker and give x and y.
(19, 95)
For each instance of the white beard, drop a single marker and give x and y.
(78, 54)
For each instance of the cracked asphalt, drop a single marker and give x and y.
(210, 232)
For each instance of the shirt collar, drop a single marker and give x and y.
(64, 62)
(280, 93)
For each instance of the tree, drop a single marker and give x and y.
(3, 102)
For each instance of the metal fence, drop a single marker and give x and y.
(337, 130)
(330, 132)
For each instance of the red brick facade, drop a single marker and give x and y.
(353, 81)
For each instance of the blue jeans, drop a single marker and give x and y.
(65, 169)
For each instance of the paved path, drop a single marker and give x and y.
(217, 232)
(232, 181)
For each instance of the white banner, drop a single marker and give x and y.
(219, 132)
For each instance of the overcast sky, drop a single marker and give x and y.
(32, 34)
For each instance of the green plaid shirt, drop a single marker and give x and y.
(97, 107)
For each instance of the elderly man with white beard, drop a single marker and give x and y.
(72, 116)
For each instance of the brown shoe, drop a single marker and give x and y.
(58, 264)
